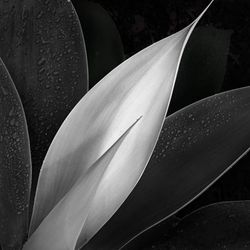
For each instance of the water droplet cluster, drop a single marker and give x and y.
(193, 125)
(15, 163)
(42, 46)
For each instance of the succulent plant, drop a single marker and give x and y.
(112, 164)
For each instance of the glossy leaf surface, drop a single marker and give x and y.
(69, 215)
(15, 165)
(43, 48)
(196, 146)
(140, 87)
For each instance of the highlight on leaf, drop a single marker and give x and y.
(197, 145)
(141, 86)
(116, 167)
(64, 218)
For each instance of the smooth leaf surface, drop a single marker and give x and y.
(154, 235)
(43, 48)
(68, 216)
(15, 165)
(196, 146)
(141, 86)
(203, 66)
(103, 41)
(224, 225)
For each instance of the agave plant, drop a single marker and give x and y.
(117, 165)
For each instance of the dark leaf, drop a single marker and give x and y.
(154, 234)
(196, 146)
(43, 48)
(202, 68)
(103, 42)
(15, 165)
(219, 226)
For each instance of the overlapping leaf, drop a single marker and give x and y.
(197, 145)
(202, 68)
(154, 236)
(103, 41)
(61, 221)
(141, 86)
(42, 46)
(15, 165)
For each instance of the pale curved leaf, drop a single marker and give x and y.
(197, 145)
(141, 86)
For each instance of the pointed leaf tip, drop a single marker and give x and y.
(61, 228)
(197, 145)
(141, 86)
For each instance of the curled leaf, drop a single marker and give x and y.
(197, 145)
(15, 165)
(141, 86)
(43, 48)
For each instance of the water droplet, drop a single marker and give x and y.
(5, 92)
(41, 61)
(12, 122)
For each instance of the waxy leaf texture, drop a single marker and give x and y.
(197, 145)
(140, 87)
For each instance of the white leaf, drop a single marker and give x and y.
(140, 87)
(61, 221)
